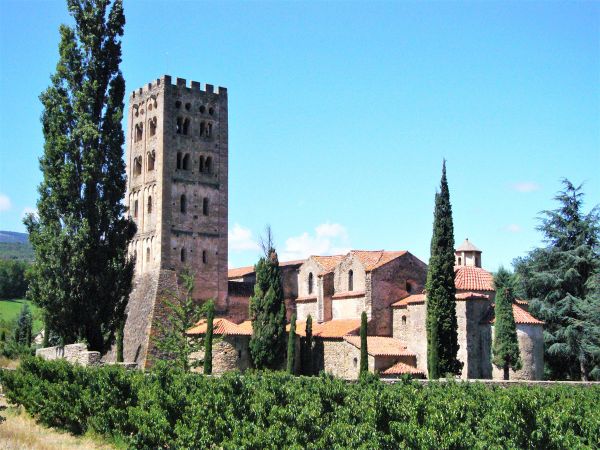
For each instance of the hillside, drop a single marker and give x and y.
(15, 245)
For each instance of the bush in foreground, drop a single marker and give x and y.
(168, 408)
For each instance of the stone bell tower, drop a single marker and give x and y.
(177, 183)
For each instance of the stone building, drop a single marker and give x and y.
(177, 193)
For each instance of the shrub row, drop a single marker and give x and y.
(166, 408)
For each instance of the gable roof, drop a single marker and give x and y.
(381, 346)
(247, 270)
(332, 329)
(372, 259)
(421, 298)
(327, 263)
(466, 246)
(401, 368)
(222, 326)
(469, 278)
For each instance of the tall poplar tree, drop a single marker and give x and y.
(81, 276)
(442, 326)
(364, 351)
(267, 311)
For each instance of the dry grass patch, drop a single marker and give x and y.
(20, 432)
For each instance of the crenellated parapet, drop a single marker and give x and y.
(165, 82)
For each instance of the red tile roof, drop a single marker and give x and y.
(381, 346)
(401, 368)
(372, 259)
(222, 326)
(243, 271)
(328, 263)
(330, 329)
(348, 294)
(471, 295)
(469, 278)
(307, 299)
(521, 316)
(411, 299)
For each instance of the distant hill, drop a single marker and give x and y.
(15, 245)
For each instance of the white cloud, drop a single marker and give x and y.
(5, 203)
(525, 186)
(240, 239)
(513, 228)
(328, 239)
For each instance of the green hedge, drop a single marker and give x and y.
(172, 409)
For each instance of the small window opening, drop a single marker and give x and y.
(459, 261)
(310, 283)
(208, 130)
(201, 164)
(153, 127)
(355, 362)
(179, 126)
(202, 109)
(239, 354)
(350, 280)
(403, 320)
(151, 160)
(202, 129)
(178, 160)
(182, 204)
(409, 287)
(147, 254)
(137, 166)
(177, 104)
(186, 126)
(139, 131)
(211, 111)
(186, 162)
(208, 165)
(205, 206)
(204, 257)
(188, 106)
(135, 209)
(149, 208)
(182, 255)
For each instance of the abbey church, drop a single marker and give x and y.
(177, 179)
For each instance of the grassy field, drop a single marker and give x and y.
(18, 431)
(10, 309)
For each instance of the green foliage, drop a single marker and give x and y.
(307, 351)
(13, 283)
(182, 312)
(169, 408)
(81, 275)
(364, 353)
(20, 251)
(562, 280)
(208, 340)
(267, 312)
(23, 330)
(441, 323)
(291, 348)
(505, 351)
(120, 337)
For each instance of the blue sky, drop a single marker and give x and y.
(341, 113)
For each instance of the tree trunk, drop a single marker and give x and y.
(584, 373)
(506, 372)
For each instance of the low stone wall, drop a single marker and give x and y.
(508, 383)
(73, 353)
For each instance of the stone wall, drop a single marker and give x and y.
(469, 314)
(339, 358)
(306, 308)
(229, 353)
(347, 308)
(416, 333)
(73, 353)
(531, 347)
(389, 284)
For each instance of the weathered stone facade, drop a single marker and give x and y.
(229, 353)
(73, 353)
(531, 347)
(177, 183)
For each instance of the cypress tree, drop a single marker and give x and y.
(82, 275)
(291, 349)
(309, 347)
(364, 355)
(208, 340)
(267, 311)
(505, 351)
(442, 326)
(120, 331)
(24, 327)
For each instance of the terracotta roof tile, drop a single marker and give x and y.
(307, 299)
(222, 326)
(401, 368)
(467, 246)
(381, 346)
(372, 259)
(328, 263)
(471, 295)
(417, 298)
(521, 316)
(243, 271)
(348, 294)
(468, 278)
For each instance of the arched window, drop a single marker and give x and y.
(152, 123)
(147, 254)
(202, 129)
(186, 126)
(149, 208)
(182, 254)
(459, 261)
(137, 166)
(310, 283)
(409, 287)
(204, 257)
(186, 162)
(201, 164)
(403, 320)
(135, 209)
(208, 130)
(139, 132)
(350, 280)
(208, 165)
(178, 160)
(151, 160)
(205, 206)
(179, 126)
(182, 204)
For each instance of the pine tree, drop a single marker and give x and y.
(441, 323)
(364, 351)
(82, 275)
(291, 349)
(561, 280)
(23, 329)
(506, 345)
(208, 340)
(308, 347)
